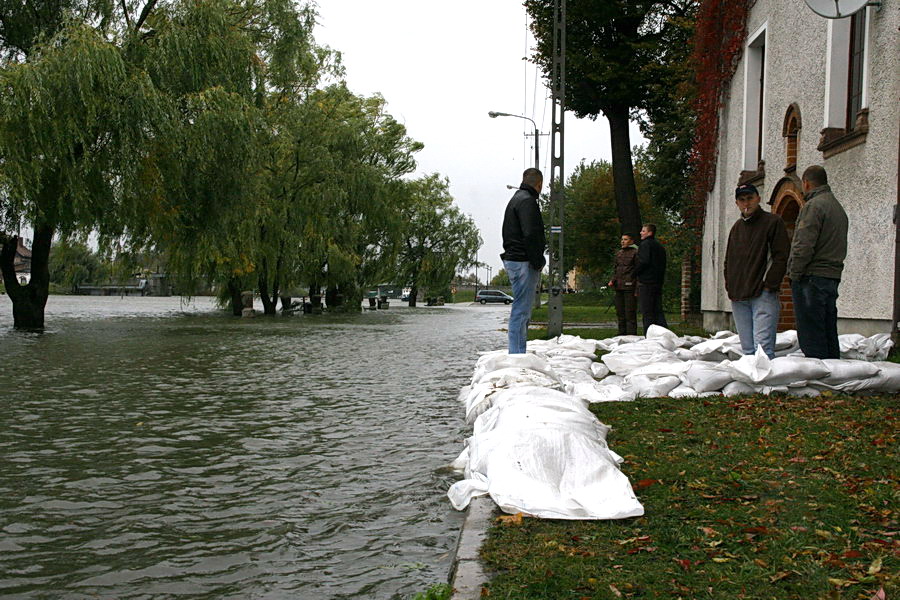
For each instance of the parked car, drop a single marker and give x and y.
(485, 296)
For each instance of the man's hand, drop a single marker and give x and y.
(610, 284)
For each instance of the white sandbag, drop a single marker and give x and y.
(542, 460)
(719, 335)
(573, 376)
(758, 369)
(612, 343)
(689, 341)
(803, 392)
(625, 359)
(715, 349)
(652, 387)
(786, 343)
(667, 339)
(738, 388)
(570, 362)
(510, 375)
(844, 370)
(564, 343)
(683, 391)
(704, 376)
(601, 392)
(856, 346)
(599, 370)
(489, 363)
(613, 380)
(886, 381)
(659, 369)
(685, 354)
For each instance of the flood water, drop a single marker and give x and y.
(154, 449)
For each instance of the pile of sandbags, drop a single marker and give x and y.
(663, 364)
(535, 447)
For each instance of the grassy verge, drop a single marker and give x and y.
(755, 498)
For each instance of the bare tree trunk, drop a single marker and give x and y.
(413, 293)
(269, 302)
(623, 170)
(234, 290)
(28, 300)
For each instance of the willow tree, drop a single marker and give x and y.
(230, 67)
(335, 180)
(75, 118)
(438, 240)
(615, 52)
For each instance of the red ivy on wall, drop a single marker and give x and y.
(719, 35)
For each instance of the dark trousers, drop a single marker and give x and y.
(815, 308)
(650, 298)
(626, 310)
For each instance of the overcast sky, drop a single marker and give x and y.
(442, 65)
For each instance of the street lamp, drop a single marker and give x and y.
(537, 134)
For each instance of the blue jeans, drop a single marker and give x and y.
(757, 320)
(524, 280)
(815, 305)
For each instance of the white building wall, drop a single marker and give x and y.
(863, 178)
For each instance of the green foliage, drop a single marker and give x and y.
(754, 497)
(438, 240)
(440, 591)
(592, 228)
(501, 279)
(72, 264)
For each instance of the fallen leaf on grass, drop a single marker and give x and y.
(615, 591)
(879, 595)
(683, 563)
(515, 519)
(643, 483)
(875, 567)
(780, 575)
(842, 582)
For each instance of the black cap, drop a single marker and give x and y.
(745, 188)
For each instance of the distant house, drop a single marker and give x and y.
(22, 263)
(810, 90)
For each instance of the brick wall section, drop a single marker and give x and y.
(786, 320)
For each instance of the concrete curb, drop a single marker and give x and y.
(468, 574)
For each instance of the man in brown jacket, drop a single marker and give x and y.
(755, 263)
(817, 258)
(625, 286)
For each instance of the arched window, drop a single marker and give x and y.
(791, 133)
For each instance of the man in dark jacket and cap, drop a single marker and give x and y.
(523, 256)
(651, 272)
(755, 262)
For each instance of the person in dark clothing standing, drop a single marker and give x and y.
(623, 282)
(523, 254)
(651, 272)
(817, 258)
(755, 263)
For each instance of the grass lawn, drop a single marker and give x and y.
(754, 497)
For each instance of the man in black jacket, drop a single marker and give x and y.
(651, 271)
(523, 256)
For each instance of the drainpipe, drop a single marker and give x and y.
(895, 325)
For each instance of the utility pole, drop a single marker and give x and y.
(557, 174)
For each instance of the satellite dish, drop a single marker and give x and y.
(836, 9)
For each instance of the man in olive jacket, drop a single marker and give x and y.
(624, 284)
(817, 258)
(755, 262)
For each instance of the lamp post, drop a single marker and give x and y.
(537, 134)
